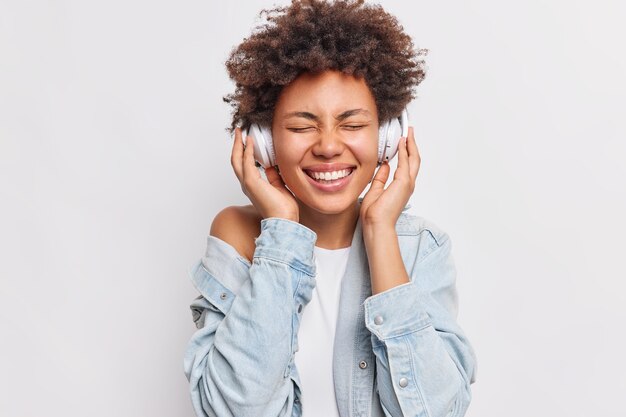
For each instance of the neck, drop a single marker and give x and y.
(334, 231)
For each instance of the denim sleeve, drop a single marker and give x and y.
(239, 362)
(425, 364)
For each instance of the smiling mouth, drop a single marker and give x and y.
(327, 178)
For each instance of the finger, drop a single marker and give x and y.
(274, 178)
(402, 169)
(378, 184)
(250, 170)
(414, 155)
(380, 179)
(237, 154)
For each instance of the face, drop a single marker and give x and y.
(325, 134)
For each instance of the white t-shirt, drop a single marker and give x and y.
(316, 335)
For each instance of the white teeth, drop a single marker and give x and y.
(334, 175)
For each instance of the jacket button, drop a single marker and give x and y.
(299, 308)
(403, 382)
(378, 320)
(362, 364)
(223, 296)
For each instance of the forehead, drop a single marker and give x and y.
(329, 91)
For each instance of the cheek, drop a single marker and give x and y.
(365, 148)
(288, 155)
(289, 159)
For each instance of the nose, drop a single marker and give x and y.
(328, 144)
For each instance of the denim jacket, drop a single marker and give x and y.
(396, 353)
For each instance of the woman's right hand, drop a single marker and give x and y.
(271, 198)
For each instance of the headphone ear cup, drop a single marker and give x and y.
(269, 146)
(388, 139)
(393, 138)
(263, 145)
(389, 135)
(382, 141)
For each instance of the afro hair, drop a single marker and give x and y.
(314, 36)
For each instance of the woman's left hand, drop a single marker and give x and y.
(382, 207)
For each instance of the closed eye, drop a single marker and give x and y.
(301, 129)
(353, 127)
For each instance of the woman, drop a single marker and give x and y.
(314, 301)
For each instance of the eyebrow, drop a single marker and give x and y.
(311, 116)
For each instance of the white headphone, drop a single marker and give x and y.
(389, 134)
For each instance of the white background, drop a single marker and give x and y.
(114, 160)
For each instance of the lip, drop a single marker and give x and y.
(328, 167)
(337, 185)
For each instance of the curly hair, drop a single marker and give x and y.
(314, 36)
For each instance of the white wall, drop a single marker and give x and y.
(114, 160)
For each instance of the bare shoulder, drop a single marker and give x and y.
(238, 226)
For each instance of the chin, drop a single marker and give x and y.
(329, 205)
